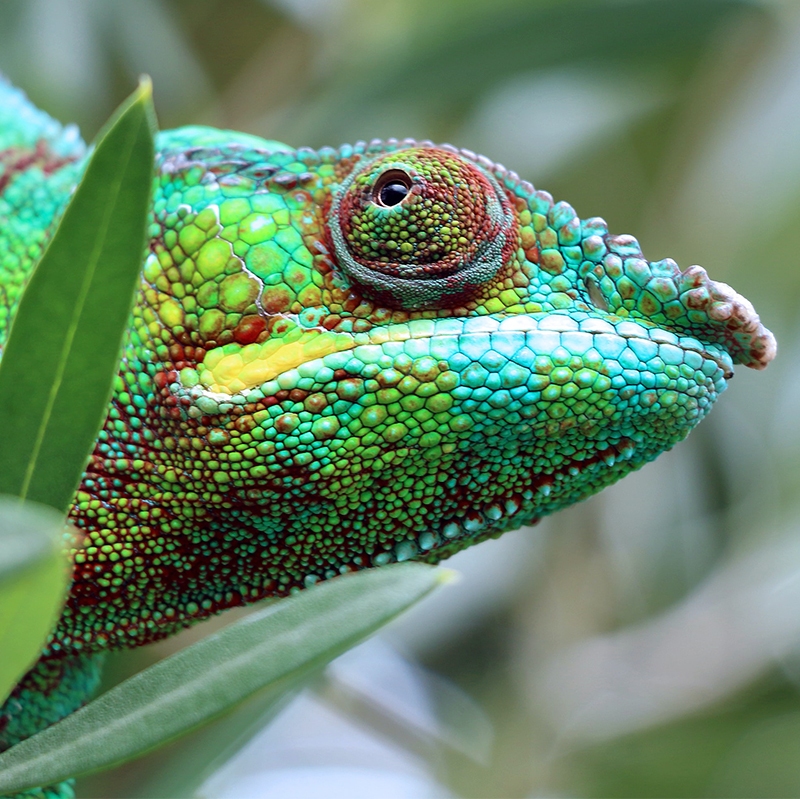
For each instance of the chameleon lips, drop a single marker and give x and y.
(508, 352)
(522, 415)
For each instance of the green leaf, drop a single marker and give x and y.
(59, 363)
(180, 768)
(269, 649)
(34, 575)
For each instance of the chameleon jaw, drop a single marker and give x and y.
(526, 505)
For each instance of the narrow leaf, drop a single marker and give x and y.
(192, 759)
(60, 360)
(34, 574)
(272, 647)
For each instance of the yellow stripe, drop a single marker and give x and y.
(235, 368)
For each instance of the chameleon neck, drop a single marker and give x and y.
(40, 163)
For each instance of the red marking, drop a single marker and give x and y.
(285, 180)
(249, 329)
(16, 160)
(276, 299)
(244, 424)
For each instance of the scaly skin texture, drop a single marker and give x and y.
(347, 357)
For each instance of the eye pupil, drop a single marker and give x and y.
(393, 193)
(392, 188)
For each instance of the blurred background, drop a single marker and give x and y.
(645, 643)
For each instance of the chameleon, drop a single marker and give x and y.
(341, 358)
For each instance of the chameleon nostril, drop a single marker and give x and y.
(595, 295)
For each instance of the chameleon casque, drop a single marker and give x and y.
(341, 358)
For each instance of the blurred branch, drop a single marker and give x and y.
(739, 623)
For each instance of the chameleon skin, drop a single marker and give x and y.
(341, 358)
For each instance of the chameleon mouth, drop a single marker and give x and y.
(514, 340)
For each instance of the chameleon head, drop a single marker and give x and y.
(341, 358)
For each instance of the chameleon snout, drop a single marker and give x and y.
(689, 301)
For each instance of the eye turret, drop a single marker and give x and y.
(420, 228)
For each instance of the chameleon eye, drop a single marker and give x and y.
(392, 188)
(420, 228)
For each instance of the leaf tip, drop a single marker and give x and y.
(447, 576)
(144, 94)
(145, 90)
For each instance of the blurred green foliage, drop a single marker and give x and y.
(673, 593)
